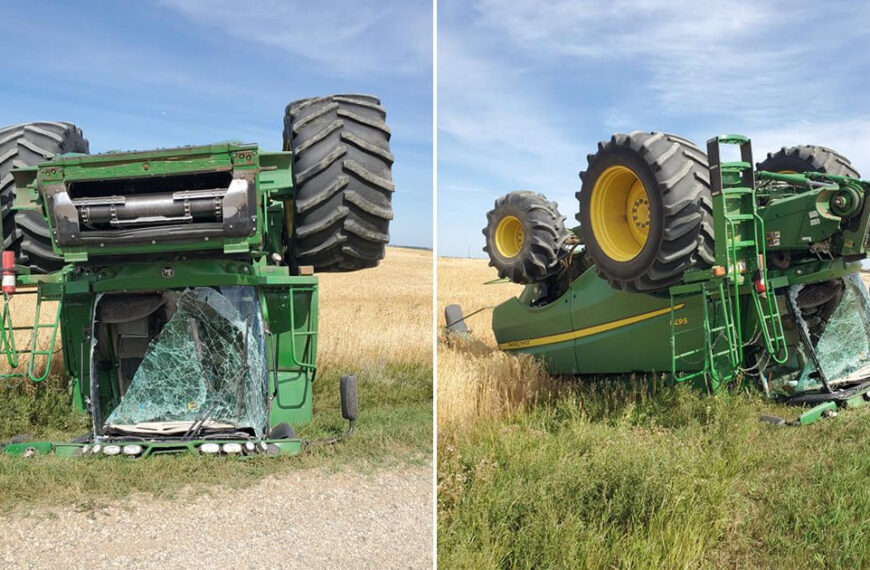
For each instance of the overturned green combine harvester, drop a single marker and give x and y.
(715, 272)
(182, 279)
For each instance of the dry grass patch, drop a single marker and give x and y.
(476, 380)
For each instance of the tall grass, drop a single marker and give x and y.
(632, 472)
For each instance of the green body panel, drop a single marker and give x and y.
(589, 305)
(816, 413)
(790, 225)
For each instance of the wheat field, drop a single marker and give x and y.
(381, 314)
(475, 379)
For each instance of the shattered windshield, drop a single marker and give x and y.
(843, 348)
(207, 364)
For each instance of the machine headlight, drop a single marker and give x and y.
(132, 449)
(112, 450)
(210, 448)
(231, 448)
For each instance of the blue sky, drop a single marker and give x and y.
(138, 75)
(527, 88)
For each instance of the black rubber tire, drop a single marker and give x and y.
(27, 144)
(808, 158)
(817, 303)
(343, 181)
(675, 175)
(816, 294)
(544, 236)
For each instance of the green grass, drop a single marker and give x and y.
(615, 473)
(394, 427)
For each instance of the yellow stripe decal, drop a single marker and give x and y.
(588, 331)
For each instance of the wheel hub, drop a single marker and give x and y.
(620, 213)
(509, 236)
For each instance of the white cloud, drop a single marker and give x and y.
(689, 56)
(356, 38)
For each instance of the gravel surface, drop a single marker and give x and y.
(306, 519)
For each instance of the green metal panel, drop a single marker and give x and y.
(594, 329)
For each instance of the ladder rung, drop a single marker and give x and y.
(689, 353)
(742, 243)
(738, 165)
(737, 191)
(689, 330)
(740, 217)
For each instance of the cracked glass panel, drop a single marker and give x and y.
(208, 364)
(843, 348)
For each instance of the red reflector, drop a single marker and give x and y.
(8, 281)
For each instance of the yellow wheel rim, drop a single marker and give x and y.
(619, 212)
(509, 236)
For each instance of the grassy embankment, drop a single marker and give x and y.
(541, 472)
(376, 323)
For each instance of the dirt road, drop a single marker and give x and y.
(305, 519)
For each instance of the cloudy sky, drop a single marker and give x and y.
(527, 88)
(138, 75)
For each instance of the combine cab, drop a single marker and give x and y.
(181, 281)
(715, 272)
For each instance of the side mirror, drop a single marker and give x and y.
(454, 320)
(347, 388)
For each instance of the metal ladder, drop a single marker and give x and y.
(308, 335)
(36, 355)
(744, 250)
(722, 347)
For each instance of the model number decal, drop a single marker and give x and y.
(680, 321)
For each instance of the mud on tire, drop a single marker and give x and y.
(343, 180)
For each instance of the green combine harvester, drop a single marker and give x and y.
(180, 282)
(715, 272)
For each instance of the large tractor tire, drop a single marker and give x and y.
(343, 181)
(808, 158)
(525, 234)
(26, 231)
(645, 210)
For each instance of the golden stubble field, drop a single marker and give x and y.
(475, 379)
(380, 315)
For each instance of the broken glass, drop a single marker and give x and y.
(843, 348)
(207, 364)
